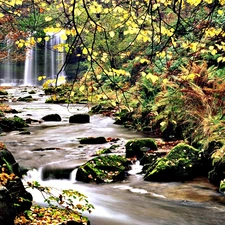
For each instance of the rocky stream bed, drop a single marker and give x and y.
(46, 148)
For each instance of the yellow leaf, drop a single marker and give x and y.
(82, 88)
(152, 77)
(219, 59)
(111, 34)
(63, 36)
(39, 40)
(144, 60)
(214, 51)
(48, 18)
(211, 48)
(20, 45)
(85, 51)
(220, 12)
(1, 15)
(47, 38)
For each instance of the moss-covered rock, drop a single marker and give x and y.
(103, 169)
(93, 140)
(183, 162)
(27, 98)
(12, 123)
(12, 182)
(138, 147)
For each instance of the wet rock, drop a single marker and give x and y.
(93, 140)
(79, 118)
(12, 123)
(52, 117)
(31, 92)
(3, 92)
(183, 162)
(28, 98)
(103, 169)
(7, 209)
(50, 172)
(25, 132)
(20, 199)
(138, 147)
(150, 158)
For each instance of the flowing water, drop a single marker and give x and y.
(55, 145)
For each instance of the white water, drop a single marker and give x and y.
(47, 62)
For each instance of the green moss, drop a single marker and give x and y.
(13, 123)
(101, 169)
(183, 162)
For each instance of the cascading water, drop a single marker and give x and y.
(47, 62)
(10, 71)
(40, 61)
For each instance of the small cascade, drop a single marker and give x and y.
(135, 167)
(73, 175)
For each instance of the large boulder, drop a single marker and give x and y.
(103, 169)
(138, 147)
(13, 193)
(80, 118)
(183, 162)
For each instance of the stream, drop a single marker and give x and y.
(55, 146)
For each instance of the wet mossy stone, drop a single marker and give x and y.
(80, 118)
(103, 169)
(52, 117)
(27, 98)
(12, 123)
(15, 187)
(31, 92)
(138, 147)
(183, 162)
(93, 140)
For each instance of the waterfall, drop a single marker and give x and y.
(7, 65)
(54, 58)
(29, 62)
(40, 61)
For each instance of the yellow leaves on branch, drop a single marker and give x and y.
(212, 32)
